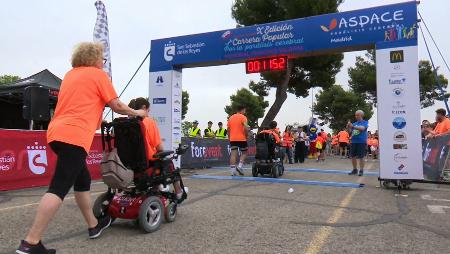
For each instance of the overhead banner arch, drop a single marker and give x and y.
(390, 29)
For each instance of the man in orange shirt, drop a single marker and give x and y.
(343, 138)
(442, 124)
(237, 134)
(84, 92)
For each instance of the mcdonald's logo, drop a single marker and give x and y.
(397, 56)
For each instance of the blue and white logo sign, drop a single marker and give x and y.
(169, 51)
(159, 81)
(397, 92)
(159, 100)
(400, 81)
(399, 123)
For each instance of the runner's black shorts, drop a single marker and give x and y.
(241, 145)
(343, 144)
(71, 170)
(358, 150)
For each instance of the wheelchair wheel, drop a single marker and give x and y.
(254, 171)
(101, 205)
(275, 171)
(281, 168)
(151, 214)
(170, 213)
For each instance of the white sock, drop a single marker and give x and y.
(233, 169)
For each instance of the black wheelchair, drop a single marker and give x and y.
(269, 157)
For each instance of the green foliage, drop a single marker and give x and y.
(184, 103)
(335, 106)
(254, 104)
(185, 126)
(6, 79)
(307, 72)
(363, 80)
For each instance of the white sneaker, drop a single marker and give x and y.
(240, 170)
(233, 172)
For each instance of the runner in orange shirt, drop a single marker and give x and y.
(344, 139)
(84, 92)
(237, 134)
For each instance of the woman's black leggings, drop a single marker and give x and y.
(71, 170)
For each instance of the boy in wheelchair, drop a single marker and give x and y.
(268, 153)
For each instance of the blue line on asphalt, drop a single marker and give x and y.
(328, 171)
(314, 170)
(278, 180)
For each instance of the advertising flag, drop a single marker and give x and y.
(101, 34)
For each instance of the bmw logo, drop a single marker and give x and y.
(398, 92)
(399, 123)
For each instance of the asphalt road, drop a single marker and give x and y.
(228, 216)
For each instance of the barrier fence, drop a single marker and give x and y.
(27, 161)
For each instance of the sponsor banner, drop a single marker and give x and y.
(204, 153)
(394, 24)
(399, 113)
(27, 161)
(436, 163)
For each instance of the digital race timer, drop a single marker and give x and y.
(278, 63)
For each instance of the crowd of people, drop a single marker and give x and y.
(219, 133)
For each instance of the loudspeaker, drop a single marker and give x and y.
(36, 104)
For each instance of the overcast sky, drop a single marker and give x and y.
(41, 34)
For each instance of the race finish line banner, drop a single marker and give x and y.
(399, 112)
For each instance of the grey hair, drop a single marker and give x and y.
(359, 111)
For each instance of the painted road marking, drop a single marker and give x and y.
(428, 197)
(37, 203)
(437, 208)
(321, 237)
(278, 180)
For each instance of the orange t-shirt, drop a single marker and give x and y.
(343, 137)
(83, 94)
(288, 139)
(443, 126)
(236, 127)
(152, 137)
(274, 133)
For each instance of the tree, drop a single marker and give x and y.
(363, 80)
(254, 104)
(184, 104)
(335, 106)
(6, 79)
(185, 126)
(302, 73)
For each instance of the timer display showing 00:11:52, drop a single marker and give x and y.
(278, 63)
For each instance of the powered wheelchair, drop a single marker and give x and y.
(268, 156)
(147, 198)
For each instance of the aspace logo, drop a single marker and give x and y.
(397, 56)
(399, 123)
(401, 81)
(169, 51)
(363, 21)
(159, 100)
(331, 27)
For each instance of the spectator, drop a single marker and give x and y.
(209, 133)
(442, 124)
(426, 128)
(85, 91)
(288, 140)
(221, 133)
(238, 134)
(343, 138)
(194, 131)
(300, 146)
(358, 142)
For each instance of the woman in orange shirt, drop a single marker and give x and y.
(288, 140)
(84, 92)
